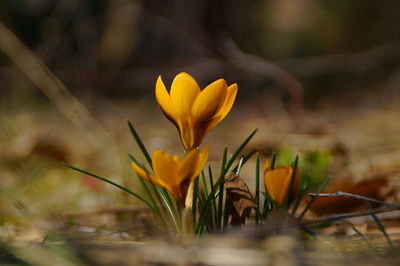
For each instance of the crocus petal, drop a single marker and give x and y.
(165, 102)
(230, 99)
(225, 108)
(165, 168)
(146, 176)
(140, 171)
(283, 185)
(195, 112)
(188, 167)
(193, 164)
(184, 91)
(277, 183)
(177, 159)
(208, 102)
(187, 133)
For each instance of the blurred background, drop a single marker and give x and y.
(116, 48)
(313, 75)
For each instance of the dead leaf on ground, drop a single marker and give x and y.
(376, 188)
(239, 199)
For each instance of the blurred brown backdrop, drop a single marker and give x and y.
(118, 47)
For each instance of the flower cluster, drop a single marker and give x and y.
(221, 200)
(194, 113)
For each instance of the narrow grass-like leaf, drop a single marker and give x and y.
(239, 166)
(221, 188)
(268, 203)
(380, 225)
(320, 189)
(161, 191)
(149, 194)
(213, 202)
(257, 196)
(217, 184)
(194, 201)
(153, 186)
(291, 184)
(162, 196)
(238, 151)
(273, 161)
(222, 176)
(146, 189)
(178, 219)
(301, 193)
(152, 199)
(209, 225)
(114, 184)
(167, 197)
(170, 206)
(204, 182)
(245, 159)
(139, 142)
(201, 200)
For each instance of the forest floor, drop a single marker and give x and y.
(50, 214)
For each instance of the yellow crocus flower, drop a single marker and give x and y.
(195, 112)
(173, 173)
(277, 182)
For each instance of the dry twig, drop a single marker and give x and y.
(354, 196)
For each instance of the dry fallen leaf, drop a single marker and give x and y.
(239, 199)
(369, 188)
